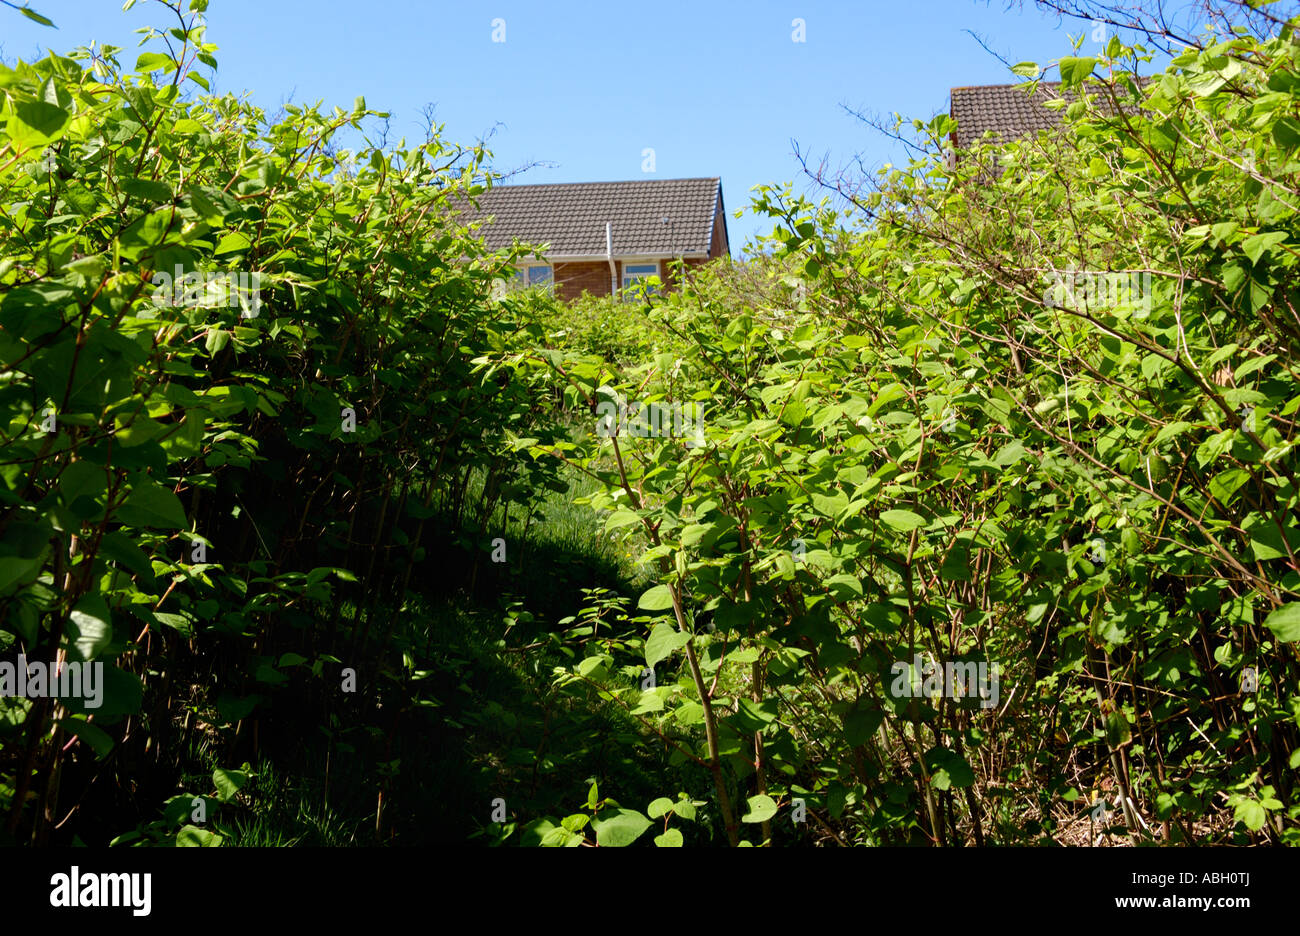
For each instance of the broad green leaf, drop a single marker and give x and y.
(151, 505)
(761, 808)
(233, 241)
(228, 782)
(902, 520)
(191, 836)
(1074, 70)
(35, 124)
(89, 629)
(1285, 622)
(16, 571)
(1251, 813)
(616, 828)
(99, 740)
(658, 598)
(669, 839)
(1118, 732)
(154, 61)
(664, 640)
(659, 808)
(620, 518)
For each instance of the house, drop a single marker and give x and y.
(1008, 112)
(602, 237)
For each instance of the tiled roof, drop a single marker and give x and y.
(571, 216)
(1008, 110)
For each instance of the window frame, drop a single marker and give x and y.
(628, 280)
(523, 276)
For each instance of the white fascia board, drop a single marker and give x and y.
(593, 258)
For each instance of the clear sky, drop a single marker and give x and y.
(714, 88)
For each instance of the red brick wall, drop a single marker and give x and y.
(572, 279)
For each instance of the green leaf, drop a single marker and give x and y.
(1118, 732)
(902, 520)
(670, 839)
(1026, 69)
(1251, 813)
(616, 828)
(123, 694)
(15, 571)
(36, 124)
(1074, 70)
(861, 723)
(191, 836)
(81, 479)
(36, 17)
(948, 769)
(620, 518)
(154, 61)
(1287, 133)
(151, 505)
(95, 737)
(665, 639)
(1226, 483)
(89, 628)
(1285, 622)
(217, 339)
(660, 807)
(232, 242)
(122, 549)
(1254, 246)
(658, 598)
(593, 667)
(761, 809)
(844, 587)
(753, 716)
(228, 782)
(149, 190)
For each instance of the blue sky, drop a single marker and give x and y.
(715, 89)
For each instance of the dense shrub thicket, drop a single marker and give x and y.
(237, 384)
(1034, 408)
(261, 414)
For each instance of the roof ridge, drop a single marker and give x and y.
(1011, 84)
(610, 182)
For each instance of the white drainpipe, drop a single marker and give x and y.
(609, 256)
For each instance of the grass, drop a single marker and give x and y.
(457, 710)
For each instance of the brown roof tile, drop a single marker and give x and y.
(571, 216)
(1007, 110)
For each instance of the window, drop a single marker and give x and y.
(634, 273)
(531, 275)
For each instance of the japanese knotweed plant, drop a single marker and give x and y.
(236, 371)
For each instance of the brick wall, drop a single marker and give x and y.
(572, 279)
